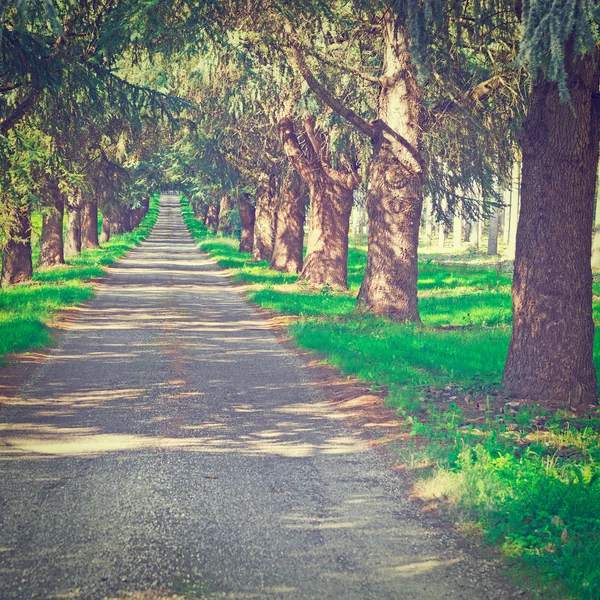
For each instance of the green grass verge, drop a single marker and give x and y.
(26, 310)
(525, 480)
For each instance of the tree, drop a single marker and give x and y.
(331, 198)
(289, 228)
(417, 141)
(551, 347)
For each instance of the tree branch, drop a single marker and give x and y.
(292, 149)
(20, 111)
(309, 127)
(324, 59)
(297, 60)
(470, 98)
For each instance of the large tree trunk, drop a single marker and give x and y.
(247, 218)
(331, 198)
(289, 231)
(328, 226)
(596, 240)
(106, 225)
(212, 217)
(17, 266)
(89, 225)
(51, 242)
(550, 353)
(73, 231)
(226, 206)
(395, 196)
(264, 219)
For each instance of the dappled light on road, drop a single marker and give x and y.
(172, 442)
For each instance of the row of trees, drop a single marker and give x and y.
(76, 137)
(395, 100)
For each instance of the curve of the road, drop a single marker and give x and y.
(171, 443)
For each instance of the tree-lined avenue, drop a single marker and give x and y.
(171, 442)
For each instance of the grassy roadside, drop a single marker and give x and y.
(26, 310)
(525, 480)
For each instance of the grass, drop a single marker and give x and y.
(27, 310)
(523, 479)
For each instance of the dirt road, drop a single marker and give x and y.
(172, 443)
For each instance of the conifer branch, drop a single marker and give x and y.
(298, 61)
(20, 112)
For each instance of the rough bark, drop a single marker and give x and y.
(264, 219)
(289, 230)
(331, 198)
(89, 225)
(395, 197)
(247, 218)
(106, 226)
(212, 217)
(596, 240)
(73, 229)
(550, 353)
(226, 206)
(492, 247)
(17, 266)
(51, 242)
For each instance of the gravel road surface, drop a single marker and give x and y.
(172, 445)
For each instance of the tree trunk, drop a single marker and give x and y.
(73, 231)
(17, 266)
(327, 243)
(331, 198)
(492, 248)
(442, 228)
(203, 213)
(51, 242)
(457, 229)
(289, 232)
(117, 222)
(515, 192)
(226, 206)
(212, 217)
(550, 353)
(596, 240)
(264, 219)
(127, 220)
(106, 226)
(428, 215)
(476, 233)
(89, 225)
(395, 196)
(247, 218)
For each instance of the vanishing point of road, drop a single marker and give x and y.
(171, 444)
